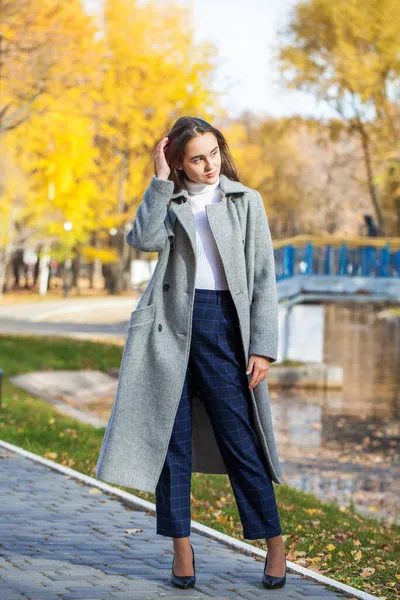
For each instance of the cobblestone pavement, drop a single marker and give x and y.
(61, 541)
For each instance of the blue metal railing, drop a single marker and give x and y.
(308, 258)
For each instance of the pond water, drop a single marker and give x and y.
(345, 445)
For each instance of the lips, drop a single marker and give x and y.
(211, 174)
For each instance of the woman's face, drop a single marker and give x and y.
(202, 159)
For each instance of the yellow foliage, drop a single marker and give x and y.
(85, 107)
(347, 53)
(105, 255)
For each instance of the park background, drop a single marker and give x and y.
(307, 95)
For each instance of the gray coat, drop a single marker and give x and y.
(156, 351)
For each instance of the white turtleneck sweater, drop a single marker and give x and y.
(210, 273)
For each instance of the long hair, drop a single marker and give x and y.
(183, 130)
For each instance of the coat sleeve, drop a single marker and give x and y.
(148, 232)
(264, 305)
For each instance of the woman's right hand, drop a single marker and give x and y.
(160, 162)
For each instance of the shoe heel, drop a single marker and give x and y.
(184, 581)
(271, 581)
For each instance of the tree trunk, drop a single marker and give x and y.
(370, 177)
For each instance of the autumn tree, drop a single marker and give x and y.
(47, 57)
(152, 73)
(346, 53)
(308, 173)
(86, 101)
(47, 49)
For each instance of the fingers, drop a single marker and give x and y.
(160, 146)
(160, 161)
(259, 373)
(257, 377)
(163, 143)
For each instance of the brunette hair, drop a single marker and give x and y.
(183, 130)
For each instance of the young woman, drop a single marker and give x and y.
(204, 334)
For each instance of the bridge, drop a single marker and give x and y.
(360, 269)
(313, 271)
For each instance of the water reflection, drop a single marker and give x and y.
(343, 445)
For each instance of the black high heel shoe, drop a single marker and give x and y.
(271, 581)
(185, 581)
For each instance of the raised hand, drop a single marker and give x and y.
(160, 162)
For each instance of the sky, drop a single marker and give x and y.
(245, 32)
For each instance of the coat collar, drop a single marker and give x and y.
(227, 186)
(220, 220)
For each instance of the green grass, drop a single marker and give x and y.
(20, 354)
(358, 551)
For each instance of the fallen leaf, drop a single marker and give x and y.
(315, 559)
(51, 455)
(133, 530)
(367, 572)
(315, 568)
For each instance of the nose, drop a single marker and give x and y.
(210, 166)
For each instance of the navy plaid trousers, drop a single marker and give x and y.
(217, 367)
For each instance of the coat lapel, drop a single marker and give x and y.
(183, 212)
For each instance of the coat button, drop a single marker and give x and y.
(166, 287)
(159, 327)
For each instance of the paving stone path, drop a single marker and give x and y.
(61, 541)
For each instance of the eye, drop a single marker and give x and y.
(196, 160)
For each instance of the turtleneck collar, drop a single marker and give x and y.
(195, 188)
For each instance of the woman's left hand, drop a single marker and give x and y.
(259, 365)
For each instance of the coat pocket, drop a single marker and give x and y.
(142, 315)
